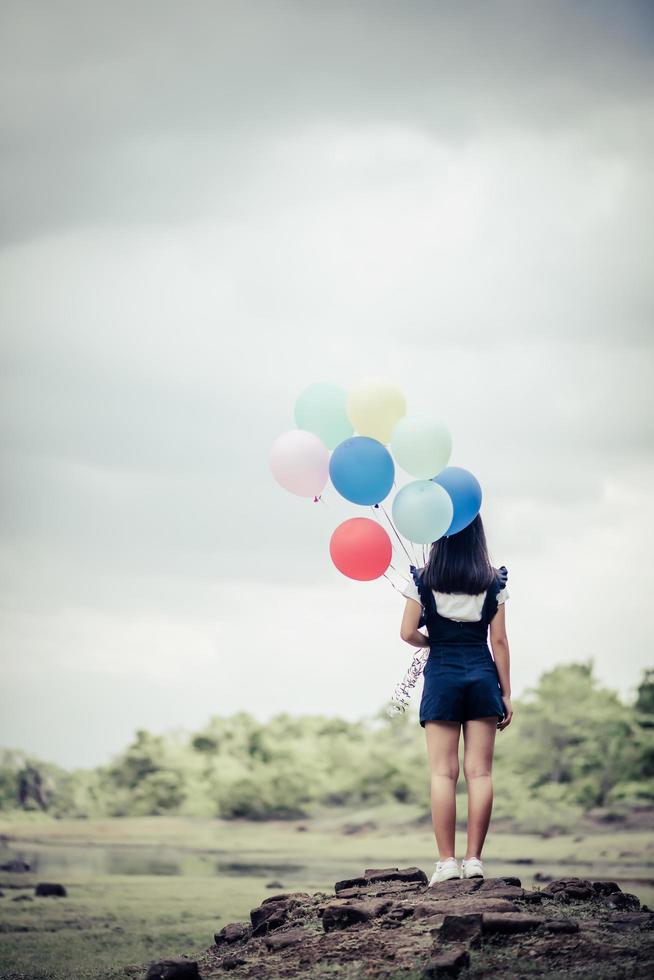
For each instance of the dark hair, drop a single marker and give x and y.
(460, 563)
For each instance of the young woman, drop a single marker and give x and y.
(458, 595)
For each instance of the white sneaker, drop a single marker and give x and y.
(445, 870)
(472, 868)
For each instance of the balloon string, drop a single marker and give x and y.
(412, 560)
(394, 548)
(391, 580)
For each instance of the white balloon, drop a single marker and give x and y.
(299, 462)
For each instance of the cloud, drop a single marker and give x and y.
(135, 121)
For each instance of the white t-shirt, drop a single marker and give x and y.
(459, 606)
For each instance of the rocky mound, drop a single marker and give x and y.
(389, 924)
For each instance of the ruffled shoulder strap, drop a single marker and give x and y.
(426, 595)
(416, 575)
(491, 603)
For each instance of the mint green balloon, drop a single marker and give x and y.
(320, 408)
(421, 445)
(422, 511)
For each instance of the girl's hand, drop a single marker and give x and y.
(508, 714)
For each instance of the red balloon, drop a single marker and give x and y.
(361, 549)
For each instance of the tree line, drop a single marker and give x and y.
(573, 746)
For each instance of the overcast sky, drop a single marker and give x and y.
(209, 205)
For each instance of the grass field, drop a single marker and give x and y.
(140, 889)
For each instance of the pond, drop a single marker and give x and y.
(54, 861)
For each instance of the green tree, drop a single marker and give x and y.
(573, 732)
(145, 780)
(645, 698)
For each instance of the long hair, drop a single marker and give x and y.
(460, 563)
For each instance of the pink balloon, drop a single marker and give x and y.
(299, 461)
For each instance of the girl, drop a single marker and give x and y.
(458, 595)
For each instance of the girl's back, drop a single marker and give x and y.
(460, 606)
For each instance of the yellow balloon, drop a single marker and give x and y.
(374, 407)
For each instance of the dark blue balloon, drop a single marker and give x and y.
(362, 470)
(465, 491)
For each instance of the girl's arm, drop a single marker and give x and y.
(409, 631)
(500, 646)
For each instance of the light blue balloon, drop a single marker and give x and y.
(320, 408)
(362, 470)
(465, 492)
(422, 511)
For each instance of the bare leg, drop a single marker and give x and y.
(443, 753)
(479, 742)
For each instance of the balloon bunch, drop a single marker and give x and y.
(345, 436)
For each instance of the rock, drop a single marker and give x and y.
(395, 924)
(559, 925)
(281, 940)
(362, 891)
(395, 874)
(487, 884)
(508, 892)
(571, 889)
(459, 928)
(426, 910)
(454, 888)
(232, 962)
(377, 876)
(274, 911)
(46, 888)
(564, 889)
(579, 892)
(173, 970)
(491, 904)
(359, 892)
(534, 898)
(510, 922)
(463, 906)
(15, 866)
(543, 876)
(401, 912)
(622, 900)
(22, 898)
(340, 915)
(294, 897)
(234, 932)
(265, 918)
(274, 884)
(605, 887)
(634, 920)
(447, 963)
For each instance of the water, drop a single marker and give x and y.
(75, 861)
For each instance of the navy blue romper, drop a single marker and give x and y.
(460, 677)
